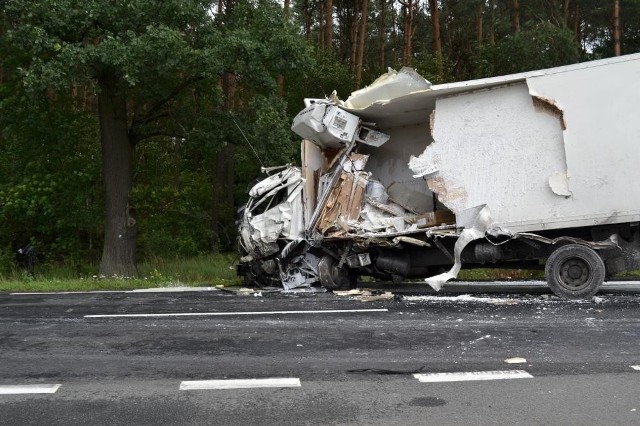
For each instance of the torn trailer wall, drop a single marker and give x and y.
(515, 156)
(556, 150)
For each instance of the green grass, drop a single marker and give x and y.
(489, 274)
(634, 274)
(492, 274)
(210, 270)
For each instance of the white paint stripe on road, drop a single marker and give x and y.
(22, 389)
(212, 314)
(43, 293)
(636, 367)
(473, 375)
(241, 384)
(138, 290)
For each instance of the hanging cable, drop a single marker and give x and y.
(248, 143)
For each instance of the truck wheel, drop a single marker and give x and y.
(575, 272)
(334, 278)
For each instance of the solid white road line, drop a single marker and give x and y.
(212, 314)
(473, 375)
(43, 293)
(139, 290)
(22, 389)
(636, 367)
(241, 384)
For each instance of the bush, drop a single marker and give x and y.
(7, 261)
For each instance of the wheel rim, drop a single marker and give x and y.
(574, 274)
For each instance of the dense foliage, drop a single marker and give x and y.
(210, 89)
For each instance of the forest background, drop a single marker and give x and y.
(131, 130)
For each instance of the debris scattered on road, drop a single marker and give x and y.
(354, 292)
(301, 290)
(516, 360)
(479, 339)
(243, 291)
(366, 295)
(374, 297)
(507, 302)
(464, 298)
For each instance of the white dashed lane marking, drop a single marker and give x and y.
(24, 389)
(217, 314)
(472, 376)
(241, 384)
(292, 382)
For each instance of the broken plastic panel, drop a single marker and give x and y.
(327, 125)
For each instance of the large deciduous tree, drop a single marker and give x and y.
(140, 56)
(149, 64)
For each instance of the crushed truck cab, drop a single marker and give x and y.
(404, 180)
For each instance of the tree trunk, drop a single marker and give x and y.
(354, 34)
(119, 251)
(565, 12)
(492, 32)
(479, 7)
(616, 27)
(435, 27)
(222, 196)
(382, 25)
(321, 26)
(328, 25)
(362, 35)
(515, 16)
(306, 19)
(407, 51)
(87, 98)
(280, 77)
(394, 35)
(280, 85)
(229, 90)
(577, 33)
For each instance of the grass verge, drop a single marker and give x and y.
(493, 274)
(210, 270)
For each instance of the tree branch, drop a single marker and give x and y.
(153, 112)
(149, 135)
(174, 93)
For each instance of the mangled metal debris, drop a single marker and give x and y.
(405, 179)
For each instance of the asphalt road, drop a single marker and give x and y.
(354, 360)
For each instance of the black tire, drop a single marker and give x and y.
(575, 272)
(252, 280)
(334, 278)
(254, 276)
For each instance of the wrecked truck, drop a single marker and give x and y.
(406, 180)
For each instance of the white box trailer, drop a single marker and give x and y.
(405, 179)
